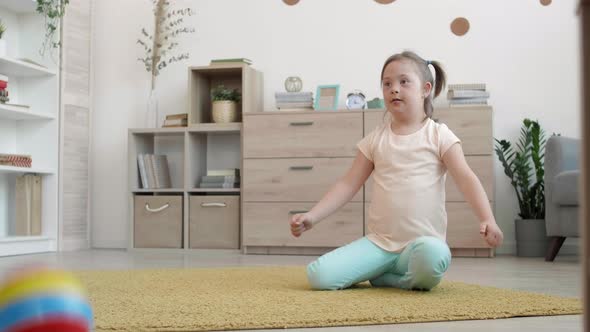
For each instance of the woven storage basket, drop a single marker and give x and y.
(225, 111)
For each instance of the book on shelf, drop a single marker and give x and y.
(28, 205)
(224, 172)
(219, 185)
(473, 101)
(154, 172)
(175, 123)
(460, 94)
(231, 60)
(177, 116)
(16, 160)
(467, 86)
(219, 178)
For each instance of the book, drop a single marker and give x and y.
(238, 60)
(467, 86)
(175, 122)
(149, 166)
(161, 171)
(219, 185)
(475, 101)
(223, 172)
(16, 160)
(142, 172)
(458, 94)
(219, 178)
(177, 116)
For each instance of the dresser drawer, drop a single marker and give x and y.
(473, 126)
(482, 166)
(267, 224)
(292, 180)
(328, 134)
(463, 226)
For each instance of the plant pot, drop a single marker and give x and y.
(225, 111)
(531, 238)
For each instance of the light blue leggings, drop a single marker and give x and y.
(419, 266)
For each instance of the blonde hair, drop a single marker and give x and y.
(425, 75)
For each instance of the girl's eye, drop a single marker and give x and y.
(404, 81)
(387, 84)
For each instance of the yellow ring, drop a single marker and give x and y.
(39, 282)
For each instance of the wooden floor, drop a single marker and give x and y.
(562, 277)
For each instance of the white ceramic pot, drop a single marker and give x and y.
(2, 48)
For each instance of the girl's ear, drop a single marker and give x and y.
(427, 89)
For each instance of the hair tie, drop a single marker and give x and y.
(428, 62)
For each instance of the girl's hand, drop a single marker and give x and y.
(300, 223)
(491, 233)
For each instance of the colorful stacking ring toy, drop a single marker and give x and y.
(44, 300)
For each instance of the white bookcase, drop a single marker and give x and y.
(33, 130)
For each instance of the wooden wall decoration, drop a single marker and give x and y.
(460, 26)
(291, 2)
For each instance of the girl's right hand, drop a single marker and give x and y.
(300, 223)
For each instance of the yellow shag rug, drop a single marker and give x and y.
(280, 297)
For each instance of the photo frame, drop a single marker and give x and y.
(326, 97)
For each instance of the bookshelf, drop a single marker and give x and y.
(32, 129)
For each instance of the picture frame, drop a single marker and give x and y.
(326, 97)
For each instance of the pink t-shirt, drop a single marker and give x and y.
(408, 198)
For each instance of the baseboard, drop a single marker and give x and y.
(571, 247)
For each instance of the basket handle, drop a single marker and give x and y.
(161, 208)
(213, 204)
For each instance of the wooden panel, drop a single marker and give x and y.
(329, 134)
(482, 166)
(267, 224)
(298, 180)
(472, 126)
(463, 227)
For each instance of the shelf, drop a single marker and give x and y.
(162, 190)
(12, 169)
(11, 239)
(234, 127)
(215, 190)
(17, 68)
(9, 112)
(157, 131)
(19, 6)
(19, 245)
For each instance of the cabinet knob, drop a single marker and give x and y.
(301, 168)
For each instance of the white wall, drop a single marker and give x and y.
(526, 53)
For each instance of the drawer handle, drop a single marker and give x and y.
(297, 211)
(301, 168)
(213, 204)
(306, 123)
(161, 208)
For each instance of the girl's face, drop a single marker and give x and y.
(403, 90)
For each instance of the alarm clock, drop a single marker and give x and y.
(356, 100)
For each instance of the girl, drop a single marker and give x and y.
(408, 156)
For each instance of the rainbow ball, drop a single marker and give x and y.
(35, 300)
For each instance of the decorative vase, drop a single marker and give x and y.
(151, 114)
(225, 111)
(293, 84)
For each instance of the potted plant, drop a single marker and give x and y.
(53, 11)
(2, 41)
(225, 104)
(525, 168)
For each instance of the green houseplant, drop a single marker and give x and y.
(225, 104)
(525, 169)
(53, 11)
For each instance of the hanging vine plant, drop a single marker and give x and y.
(53, 11)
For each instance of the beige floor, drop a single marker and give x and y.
(561, 277)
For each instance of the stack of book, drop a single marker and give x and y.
(16, 160)
(176, 120)
(294, 100)
(468, 94)
(231, 61)
(154, 172)
(222, 178)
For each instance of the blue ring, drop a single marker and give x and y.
(39, 307)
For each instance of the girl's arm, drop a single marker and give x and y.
(473, 192)
(343, 191)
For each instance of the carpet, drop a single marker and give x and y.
(280, 297)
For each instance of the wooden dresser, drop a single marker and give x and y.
(291, 159)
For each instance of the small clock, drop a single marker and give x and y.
(356, 100)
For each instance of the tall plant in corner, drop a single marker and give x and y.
(159, 46)
(53, 11)
(525, 168)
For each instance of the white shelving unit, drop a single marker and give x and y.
(32, 130)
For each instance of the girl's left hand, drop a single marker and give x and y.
(490, 231)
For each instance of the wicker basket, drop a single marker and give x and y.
(225, 111)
